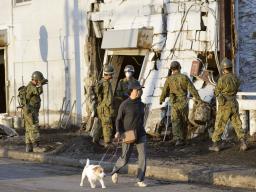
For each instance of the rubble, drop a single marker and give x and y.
(7, 131)
(7, 126)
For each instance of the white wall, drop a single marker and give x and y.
(48, 36)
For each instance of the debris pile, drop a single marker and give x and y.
(7, 125)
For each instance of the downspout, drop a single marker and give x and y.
(222, 28)
(8, 104)
(237, 55)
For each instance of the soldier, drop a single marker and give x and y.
(31, 112)
(176, 87)
(122, 87)
(228, 109)
(105, 105)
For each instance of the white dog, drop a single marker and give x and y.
(93, 173)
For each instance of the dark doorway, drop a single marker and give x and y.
(2, 83)
(120, 61)
(135, 61)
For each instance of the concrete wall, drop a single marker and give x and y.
(47, 36)
(184, 40)
(246, 13)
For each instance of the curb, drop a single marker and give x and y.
(224, 176)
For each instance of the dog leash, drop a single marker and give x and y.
(113, 155)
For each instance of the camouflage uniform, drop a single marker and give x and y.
(228, 108)
(31, 113)
(176, 87)
(122, 87)
(105, 109)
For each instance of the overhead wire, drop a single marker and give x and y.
(172, 51)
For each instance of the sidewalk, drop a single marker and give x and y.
(225, 175)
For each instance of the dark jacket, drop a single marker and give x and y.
(131, 117)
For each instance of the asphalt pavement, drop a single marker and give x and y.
(23, 176)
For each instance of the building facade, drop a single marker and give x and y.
(71, 40)
(46, 36)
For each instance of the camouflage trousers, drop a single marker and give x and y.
(31, 127)
(179, 118)
(106, 124)
(228, 111)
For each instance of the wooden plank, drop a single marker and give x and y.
(247, 93)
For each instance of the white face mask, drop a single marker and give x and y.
(128, 74)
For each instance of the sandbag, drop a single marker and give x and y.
(202, 113)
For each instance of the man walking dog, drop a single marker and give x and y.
(129, 123)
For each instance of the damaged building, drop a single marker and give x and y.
(70, 41)
(150, 34)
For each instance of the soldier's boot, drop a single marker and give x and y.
(96, 141)
(106, 144)
(37, 148)
(29, 147)
(101, 143)
(179, 142)
(243, 145)
(157, 137)
(109, 145)
(215, 147)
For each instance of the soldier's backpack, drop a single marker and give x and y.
(22, 96)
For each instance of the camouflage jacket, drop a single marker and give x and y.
(227, 85)
(104, 93)
(176, 87)
(33, 99)
(122, 87)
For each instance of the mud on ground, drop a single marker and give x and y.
(196, 152)
(76, 145)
